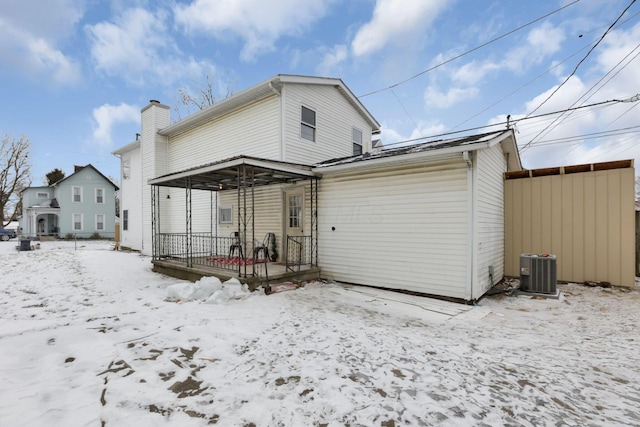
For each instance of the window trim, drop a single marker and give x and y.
(304, 124)
(73, 222)
(104, 221)
(73, 194)
(225, 221)
(96, 195)
(125, 219)
(354, 142)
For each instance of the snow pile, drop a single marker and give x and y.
(208, 289)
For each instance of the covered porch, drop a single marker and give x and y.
(244, 217)
(41, 220)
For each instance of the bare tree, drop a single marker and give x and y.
(203, 95)
(15, 175)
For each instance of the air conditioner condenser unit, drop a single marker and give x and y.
(538, 273)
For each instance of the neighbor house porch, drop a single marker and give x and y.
(244, 217)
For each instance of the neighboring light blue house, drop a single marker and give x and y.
(82, 205)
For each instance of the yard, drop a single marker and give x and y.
(88, 338)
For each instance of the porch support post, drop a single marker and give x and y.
(253, 219)
(239, 220)
(154, 224)
(314, 221)
(189, 240)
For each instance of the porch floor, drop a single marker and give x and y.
(277, 272)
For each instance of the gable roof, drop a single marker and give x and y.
(80, 169)
(430, 149)
(261, 90)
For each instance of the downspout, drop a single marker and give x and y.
(467, 156)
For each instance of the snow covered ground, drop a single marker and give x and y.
(88, 338)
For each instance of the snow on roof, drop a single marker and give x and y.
(415, 148)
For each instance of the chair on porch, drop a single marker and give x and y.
(263, 247)
(236, 244)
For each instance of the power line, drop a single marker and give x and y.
(556, 122)
(576, 68)
(470, 51)
(634, 98)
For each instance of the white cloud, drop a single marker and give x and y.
(108, 116)
(394, 21)
(260, 23)
(129, 46)
(332, 60)
(29, 42)
(438, 99)
(137, 47)
(542, 41)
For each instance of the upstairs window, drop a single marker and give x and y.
(356, 140)
(77, 194)
(308, 124)
(100, 195)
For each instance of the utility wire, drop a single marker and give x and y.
(558, 120)
(634, 98)
(576, 69)
(470, 51)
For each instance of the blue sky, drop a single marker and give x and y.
(74, 74)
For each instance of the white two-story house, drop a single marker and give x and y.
(292, 165)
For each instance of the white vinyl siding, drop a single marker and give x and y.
(77, 222)
(335, 120)
(252, 131)
(401, 228)
(489, 235)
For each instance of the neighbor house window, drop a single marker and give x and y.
(308, 124)
(42, 195)
(77, 194)
(225, 215)
(125, 219)
(356, 139)
(126, 169)
(100, 195)
(77, 222)
(100, 222)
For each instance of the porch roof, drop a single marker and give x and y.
(223, 175)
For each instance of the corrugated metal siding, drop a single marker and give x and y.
(251, 131)
(489, 218)
(398, 228)
(335, 118)
(585, 219)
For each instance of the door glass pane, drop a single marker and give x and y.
(295, 211)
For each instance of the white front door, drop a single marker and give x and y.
(293, 212)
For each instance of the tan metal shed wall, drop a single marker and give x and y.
(585, 219)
